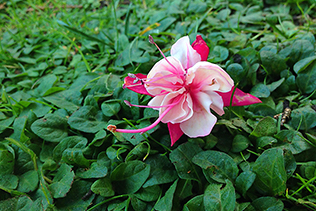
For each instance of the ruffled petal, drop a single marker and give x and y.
(239, 99)
(175, 132)
(202, 121)
(164, 76)
(201, 47)
(135, 85)
(183, 51)
(180, 112)
(217, 103)
(208, 76)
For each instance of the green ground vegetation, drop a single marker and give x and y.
(62, 65)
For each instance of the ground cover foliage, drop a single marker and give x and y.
(62, 70)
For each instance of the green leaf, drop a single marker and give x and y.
(165, 23)
(271, 175)
(181, 157)
(268, 203)
(308, 170)
(51, 128)
(38, 109)
(98, 87)
(240, 143)
(27, 60)
(273, 86)
(62, 181)
(265, 127)
(219, 54)
(260, 90)
(9, 181)
(302, 64)
(4, 124)
(244, 181)
(212, 197)
(53, 90)
(7, 159)
(97, 169)
(148, 194)
(118, 205)
(165, 203)
(138, 204)
(264, 141)
(216, 166)
(75, 156)
(301, 49)
(262, 109)
(28, 181)
(130, 176)
(103, 187)
(161, 171)
(289, 163)
(292, 141)
(132, 97)
(87, 119)
(21, 203)
(76, 31)
(69, 142)
(45, 84)
(194, 204)
(98, 138)
(18, 127)
(63, 99)
(236, 72)
(77, 198)
(272, 62)
(223, 14)
(305, 79)
(110, 107)
(218, 198)
(303, 118)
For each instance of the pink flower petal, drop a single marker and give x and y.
(132, 84)
(183, 51)
(175, 132)
(200, 46)
(181, 111)
(239, 99)
(164, 76)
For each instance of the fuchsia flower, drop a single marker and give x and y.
(184, 87)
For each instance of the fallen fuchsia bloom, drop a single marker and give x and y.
(184, 87)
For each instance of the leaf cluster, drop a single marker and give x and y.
(62, 67)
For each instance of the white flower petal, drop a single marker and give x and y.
(156, 101)
(217, 103)
(202, 121)
(183, 51)
(209, 76)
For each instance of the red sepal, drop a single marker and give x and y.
(136, 85)
(201, 47)
(239, 99)
(175, 132)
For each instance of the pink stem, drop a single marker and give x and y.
(142, 130)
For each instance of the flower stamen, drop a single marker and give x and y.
(151, 40)
(113, 128)
(144, 106)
